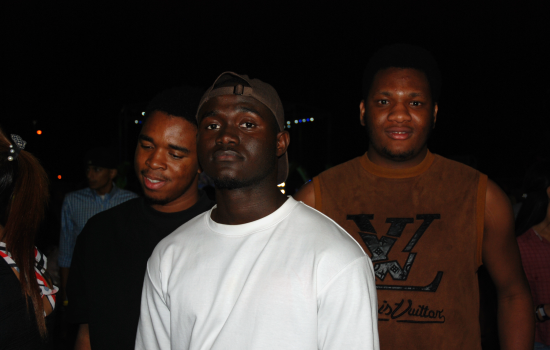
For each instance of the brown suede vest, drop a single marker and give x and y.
(423, 229)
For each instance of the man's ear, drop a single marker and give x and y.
(113, 173)
(362, 112)
(283, 140)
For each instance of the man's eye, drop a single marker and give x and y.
(416, 103)
(212, 127)
(248, 125)
(176, 156)
(383, 102)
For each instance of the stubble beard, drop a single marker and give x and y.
(156, 201)
(233, 183)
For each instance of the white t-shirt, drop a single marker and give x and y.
(291, 280)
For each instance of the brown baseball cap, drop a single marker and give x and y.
(258, 90)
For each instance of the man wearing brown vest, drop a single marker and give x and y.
(427, 222)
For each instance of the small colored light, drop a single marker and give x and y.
(59, 177)
(141, 122)
(303, 120)
(142, 113)
(39, 132)
(288, 121)
(283, 191)
(308, 119)
(282, 184)
(136, 121)
(311, 119)
(295, 122)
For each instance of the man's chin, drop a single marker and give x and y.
(399, 156)
(229, 183)
(156, 201)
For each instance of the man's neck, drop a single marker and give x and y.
(184, 202)
(240, 206)
(389, 163)
(105, 190)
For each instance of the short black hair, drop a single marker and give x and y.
(179, 101)
(404, 56)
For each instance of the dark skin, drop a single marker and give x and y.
(395, 102)
(238, 140)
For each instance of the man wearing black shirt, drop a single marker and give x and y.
(110, 257)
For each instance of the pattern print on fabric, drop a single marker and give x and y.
(41, 263)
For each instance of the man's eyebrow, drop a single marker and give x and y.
(248, 110)
(179, 148)
(208, 114)
(415, 94)
(145, 138)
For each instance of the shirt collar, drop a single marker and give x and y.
(109, 195)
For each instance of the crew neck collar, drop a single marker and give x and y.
(251, 227)
(203, 199)
(397, 173)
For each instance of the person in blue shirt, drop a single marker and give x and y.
(79, 206)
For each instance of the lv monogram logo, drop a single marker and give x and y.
(380, 249)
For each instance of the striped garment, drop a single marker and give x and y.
(40, 267)
(78, 207)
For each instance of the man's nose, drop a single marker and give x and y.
(399, 113)
(227, 135)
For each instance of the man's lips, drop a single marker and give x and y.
(399, 133)
(153, 182)
(227, 155)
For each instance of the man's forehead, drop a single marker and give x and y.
(394, 75)
(215, 105)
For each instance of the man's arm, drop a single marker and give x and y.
(154, 320)
(83, 338)
(348, 309)
(77, 291)
(502, 259)
(66, 247)
(306, 194)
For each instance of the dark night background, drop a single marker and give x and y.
(82, 73)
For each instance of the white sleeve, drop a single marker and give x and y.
(347, 309)
(154, 320)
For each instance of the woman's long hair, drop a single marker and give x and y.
(535, 206)
(23, 198)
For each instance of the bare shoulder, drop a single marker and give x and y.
(306, 194)
(499, 215)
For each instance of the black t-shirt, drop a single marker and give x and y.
(108, 268)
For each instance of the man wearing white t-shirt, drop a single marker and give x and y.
(260, 270)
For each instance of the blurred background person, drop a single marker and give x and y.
(533, 230)
(27, 296)
(79, 206)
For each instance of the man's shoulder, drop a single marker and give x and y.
(350, 166)
(118, 212)
(449, 165)
(78, 194)
(193, 226)
(125, 194)
(322, 232)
